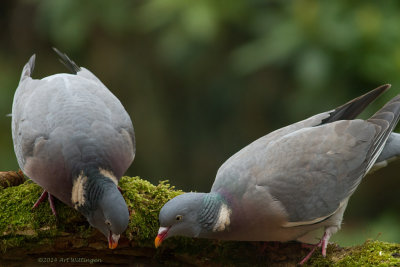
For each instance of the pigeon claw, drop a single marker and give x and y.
(321, 244)
(51, 201)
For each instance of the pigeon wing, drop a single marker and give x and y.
(65, 120)
(313, 171)
(348, 111)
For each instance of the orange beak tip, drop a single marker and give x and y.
(113, 240)
(157, 241)
(112, 245)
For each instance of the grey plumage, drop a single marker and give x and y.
(390, 152)
(294, 180)
(67, 62)
(74, 138)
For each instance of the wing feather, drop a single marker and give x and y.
(312, 170)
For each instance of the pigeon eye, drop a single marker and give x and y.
(108, 223)
(179, 217)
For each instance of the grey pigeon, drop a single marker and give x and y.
(290, 182)
(73, 137)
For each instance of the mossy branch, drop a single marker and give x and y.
(36, 237)
(11, 178)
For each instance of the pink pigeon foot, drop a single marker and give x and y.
(323, 244)
(51, 201)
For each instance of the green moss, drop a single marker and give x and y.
(20, 226)
(371, 253)
(19, 223)
(16, 210)
(144, 202)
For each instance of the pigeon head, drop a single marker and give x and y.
(193, 215)
(111, 216)
(179, 216)
(105, 208)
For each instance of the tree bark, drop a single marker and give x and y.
(11, 178)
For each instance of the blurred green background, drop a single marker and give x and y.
(202, 79)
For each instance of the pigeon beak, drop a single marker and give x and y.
(162, 234)
(112, 240)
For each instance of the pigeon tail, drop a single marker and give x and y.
(67, 62)
(390, 113)
(390, 152)
(353, 108)
(386, 118)
(28, 68)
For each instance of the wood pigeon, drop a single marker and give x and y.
(74, 138)
(290, 182)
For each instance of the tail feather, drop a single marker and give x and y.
(64, 59)
(386, 118)
(390, 152)
(389, 113)
(353, 108)
(28, 68)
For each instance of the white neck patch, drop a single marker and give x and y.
(108, 174)
(224, 218)
(78, 191)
